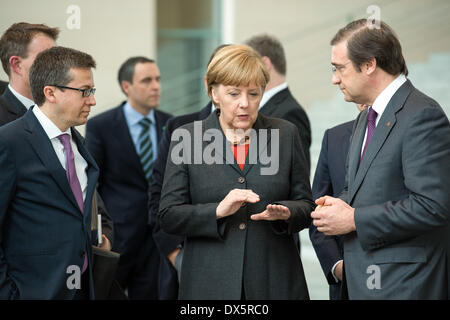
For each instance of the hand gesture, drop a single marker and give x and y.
(234, 200)
(273, 212)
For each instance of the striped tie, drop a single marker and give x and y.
(145, 148)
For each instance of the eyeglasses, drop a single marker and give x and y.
(84, 92)
(339, 67)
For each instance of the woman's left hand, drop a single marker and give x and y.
(273, 212)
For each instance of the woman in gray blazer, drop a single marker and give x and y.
(237, 188)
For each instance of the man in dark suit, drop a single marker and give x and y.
(278, 101)
(394, 210)
(47, 180)
(124, 144)
(19, 46)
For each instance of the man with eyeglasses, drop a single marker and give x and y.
(47, 181)
(394, 210)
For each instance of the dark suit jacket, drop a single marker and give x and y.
(43, 231)
(400, 191)
(10, 107)
(222, 255)
(3, 86)
(122, 183)
(284, 106)
(329, 179)
(165, 242)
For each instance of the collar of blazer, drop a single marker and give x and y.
(42, 146)
(384, 127)
(12, 103)
(272, 103)
(212, 122)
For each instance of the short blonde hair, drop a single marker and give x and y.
(236, 65)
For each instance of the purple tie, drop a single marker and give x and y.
(371, 124)
(72, 178)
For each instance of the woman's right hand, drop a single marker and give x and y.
(234, 200)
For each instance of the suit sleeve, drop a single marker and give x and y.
(7, 186)
(95, 146)
(300, 202)
(176, 213)
(326, 247)
(425, 164)
(165, 242)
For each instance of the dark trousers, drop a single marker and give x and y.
(138, 272)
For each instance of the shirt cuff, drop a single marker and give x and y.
(332, 271)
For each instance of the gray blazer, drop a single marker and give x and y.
(401, 196)
(222, 255)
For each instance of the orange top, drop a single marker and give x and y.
(240, 154)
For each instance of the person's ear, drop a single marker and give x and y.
(215, 96)
(370, 66)
(125, 85)
(49, 93)
(15, 64)
(268, 62)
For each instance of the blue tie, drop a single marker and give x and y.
(145, 149)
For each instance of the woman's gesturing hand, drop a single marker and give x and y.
(234, 200)
(273, 212)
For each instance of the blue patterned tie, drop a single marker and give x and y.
(145, 148)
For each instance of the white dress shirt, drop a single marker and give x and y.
(53, 132)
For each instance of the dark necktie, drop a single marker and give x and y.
(145, 148)
(371, 124)
(72, 177)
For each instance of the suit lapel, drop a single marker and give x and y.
(271, 105)
(13, 104)
(42, 145)
(382, 131)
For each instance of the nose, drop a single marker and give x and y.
(156, 85)
(91, 100)
(243, 102)
(335, 78)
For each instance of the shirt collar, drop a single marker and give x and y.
(213, 107)
(133, 117)
(270, 93)
(24, 100)
(385, 96)
(50, 128)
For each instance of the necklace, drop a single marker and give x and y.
(242, 141)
